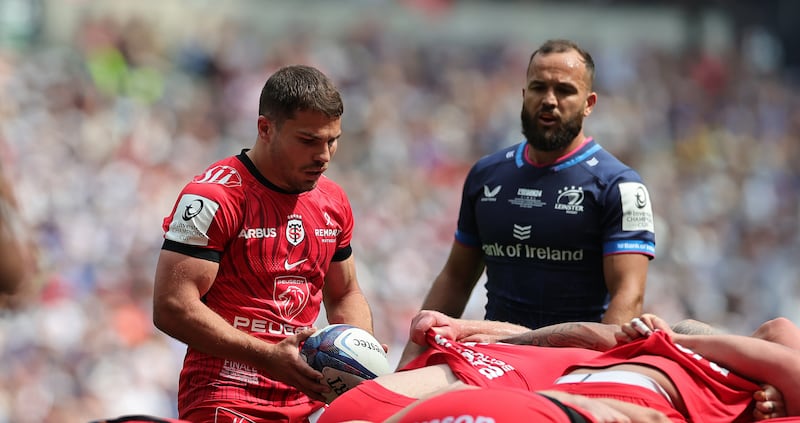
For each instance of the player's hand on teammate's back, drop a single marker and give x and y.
(441, 323)
(288, 366)
(642, 327)
(769, 403)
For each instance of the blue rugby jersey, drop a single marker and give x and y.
(545, 229)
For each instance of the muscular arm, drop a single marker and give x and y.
(488, 330)
(460, 329)
(594, 336)
(750, 357)
(753, 358)
(344, 301)
(626, 276)
(178, 311)
(451, 289)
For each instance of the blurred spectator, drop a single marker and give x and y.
(17, 252)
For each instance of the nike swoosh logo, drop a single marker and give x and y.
(290, 266)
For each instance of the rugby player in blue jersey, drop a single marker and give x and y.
(563, 229)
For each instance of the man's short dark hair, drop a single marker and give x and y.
(299, 88)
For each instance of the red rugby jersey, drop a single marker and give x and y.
(273, 249)
(500, 365)
(711, 392)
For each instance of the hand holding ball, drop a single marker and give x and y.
(346, 356)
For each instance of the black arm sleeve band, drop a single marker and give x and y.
(343, 253)
(189, 250)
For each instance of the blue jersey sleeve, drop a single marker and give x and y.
(628, 217)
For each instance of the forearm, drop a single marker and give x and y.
(352, 309)
(344, 301)
(626, 279)
(443, 325)
(624, 306)
(475, 330)
(595, 336)
(194, 324)
(755, 359)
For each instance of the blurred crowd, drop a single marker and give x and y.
(99, 133)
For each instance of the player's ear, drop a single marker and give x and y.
(265, 126)
(591, 100)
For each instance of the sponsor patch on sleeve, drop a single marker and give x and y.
(191, 220)
(637, 213)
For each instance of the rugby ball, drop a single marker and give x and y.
(346, 356)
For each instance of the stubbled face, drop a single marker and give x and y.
(300, 149)
(556, 99)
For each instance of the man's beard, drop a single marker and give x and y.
(560, 136)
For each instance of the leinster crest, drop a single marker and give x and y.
(294, 230)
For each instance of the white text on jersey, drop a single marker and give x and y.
(529, 251)
(265, 326)
(255, 233)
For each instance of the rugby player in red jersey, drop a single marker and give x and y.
(660, 373)
(253, 246)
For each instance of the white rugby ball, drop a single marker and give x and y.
(346, 355)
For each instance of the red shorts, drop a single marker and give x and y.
(243, 412)
(369, 400)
